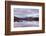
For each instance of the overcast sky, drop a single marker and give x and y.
(22, 12)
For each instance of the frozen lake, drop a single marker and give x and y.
(26, 24)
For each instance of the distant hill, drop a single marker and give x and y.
(26, 19)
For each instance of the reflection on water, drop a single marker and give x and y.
(26, 24)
